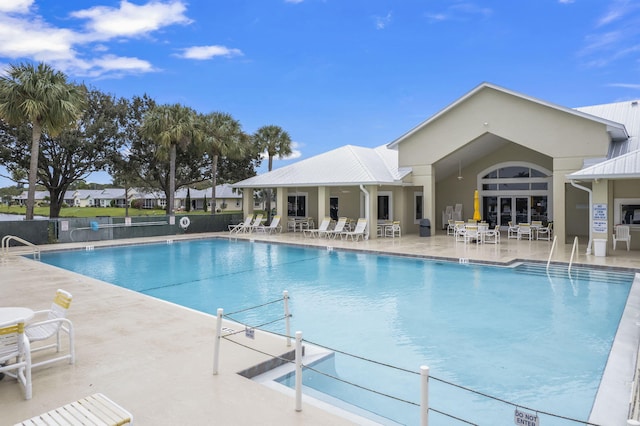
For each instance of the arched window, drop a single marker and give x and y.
(515, 192)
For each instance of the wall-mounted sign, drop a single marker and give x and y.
(599, 223)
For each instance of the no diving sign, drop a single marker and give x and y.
(522, 418)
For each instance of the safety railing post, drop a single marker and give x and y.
(216, 348)
(424, 395)
(285, 296)
(298, 370)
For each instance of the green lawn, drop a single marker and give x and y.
(96, 211)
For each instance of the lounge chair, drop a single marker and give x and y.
(274, 226)
(257, 222)
(94, 409)
(15, 355)
(49, 326)
(358, 232)
(322, 229)
(242, 226)
(338, 229)
(622, 234)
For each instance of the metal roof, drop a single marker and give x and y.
(626, 166)
(626, 113)
(347, 165)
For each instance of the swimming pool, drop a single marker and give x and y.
(517, 335)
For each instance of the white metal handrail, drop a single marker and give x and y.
(574, 250)
(4, 246)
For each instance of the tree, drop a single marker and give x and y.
(275, 142)
(41, 97)
(171, 126)
(187, 201)
(123, 166)
(73, 154)
(222, 136)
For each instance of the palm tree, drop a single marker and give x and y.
(275, 142)
(171, 126)
(222, 136)
(42, 97)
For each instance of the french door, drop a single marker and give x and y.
(513, 209)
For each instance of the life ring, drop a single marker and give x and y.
(184, 222)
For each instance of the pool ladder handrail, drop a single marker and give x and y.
(574, 250)
(553, 247)
(4, 246)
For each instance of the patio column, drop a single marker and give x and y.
(281, 207)
(247, 201)
(427, 180)
(371, 211)
(323, 203)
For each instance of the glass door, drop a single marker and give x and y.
(513, 209)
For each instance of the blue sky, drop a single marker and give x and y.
(331, 72)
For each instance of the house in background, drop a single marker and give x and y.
(520, 153)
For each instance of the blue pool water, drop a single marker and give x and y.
(515, 334)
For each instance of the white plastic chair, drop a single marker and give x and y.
(51, 328)
(492, 236)
(524, 230)
(512, 231)
(394, 230)
(622, 234)
(15, 355)
(544, 232)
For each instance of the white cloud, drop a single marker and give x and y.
(625, 85)
(21, 38)
(15, 6)
(130, 20)
(383, 21)
(460, 11)
(208, 52)
(26, 35)
(565, 1)
(295, 153)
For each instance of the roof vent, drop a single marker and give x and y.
(634, 103)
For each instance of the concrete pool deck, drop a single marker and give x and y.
(156, 358)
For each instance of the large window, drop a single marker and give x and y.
(297, 205)
(515, 192)
(627, 211)
(417, 207)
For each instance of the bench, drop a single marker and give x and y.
(95, 409)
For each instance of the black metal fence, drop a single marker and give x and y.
(65, 230)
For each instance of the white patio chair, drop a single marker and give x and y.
(15, 355)
(451, 227)
(48, 325)
(622, 234)
(492, 236)
(524, 231)
(394, 230)
(512, 231)
(545, 232)
(471, 234)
